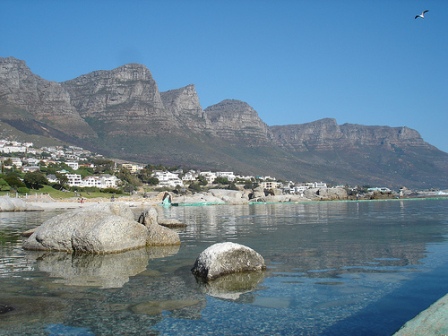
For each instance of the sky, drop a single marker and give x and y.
(367, 62)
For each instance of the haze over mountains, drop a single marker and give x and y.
(121, 113)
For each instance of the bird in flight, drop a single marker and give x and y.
(422, 15)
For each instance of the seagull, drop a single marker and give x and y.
(422, 15)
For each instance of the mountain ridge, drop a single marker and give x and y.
(121, 113)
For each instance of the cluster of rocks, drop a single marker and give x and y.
(111, 227)
(16, 204)
(235, 197)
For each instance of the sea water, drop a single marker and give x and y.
(333, 268)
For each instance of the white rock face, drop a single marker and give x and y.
(15, 204)
(102, 228)
(230, 196)
(227, 258)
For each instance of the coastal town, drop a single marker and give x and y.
(75, 169)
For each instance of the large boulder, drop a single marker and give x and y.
(226, 258)
(102, 228)
(157, 234)
(258, 192)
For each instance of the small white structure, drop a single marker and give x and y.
(320, 185)
(73, 164)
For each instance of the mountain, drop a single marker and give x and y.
(121, 113)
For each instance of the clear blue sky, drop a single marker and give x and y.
(364, 62)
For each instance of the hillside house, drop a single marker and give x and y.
(228, 175)
(72, 164)
(168, 179)
(209, 176)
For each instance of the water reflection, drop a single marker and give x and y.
(330, 265)
(232, 286)
(94, 270)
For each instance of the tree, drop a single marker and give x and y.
(221, 180)
(62, 178)
(153, 181)
(104, 166)
(202, 180)
(14, 181)
(35, 180)
(4, 186)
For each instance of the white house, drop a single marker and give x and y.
(167, 179)
(101, 181)
(190, 176)
(13, 149)
(72, 164)
(270, 184)
(74, 180)
(209, 176)
(320, 185)
(17, 162)
(229, 175)
(109, 181)
(27, 169)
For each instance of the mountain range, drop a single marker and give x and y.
(120, 113)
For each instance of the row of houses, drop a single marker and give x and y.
(72, 157)
(172, 180)
(95, 181)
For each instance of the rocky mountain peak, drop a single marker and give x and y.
(122, 100)
(234, 119)
(35, 98)
(184, 104)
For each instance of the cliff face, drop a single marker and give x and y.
(184, 104)
(120, 101)
(236, 121)
(326, 134)
(24, 95)
(121, 113)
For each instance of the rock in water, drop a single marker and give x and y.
(103, 228)
(226, 258)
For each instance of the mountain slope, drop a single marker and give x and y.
(122, 114)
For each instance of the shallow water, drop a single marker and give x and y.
(333, 268)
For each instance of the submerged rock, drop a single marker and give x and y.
(232, 286)
(226, 258)
(5, 308)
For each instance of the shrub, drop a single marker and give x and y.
(23, 190)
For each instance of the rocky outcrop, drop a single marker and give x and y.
(26, 96)
(234, 120)
(16, 204)
(335, 193)
(231, 196)
(184, 104)
(121, 100)
(432, 321)
(326, 134)
(226, 258)
(157, 234)
(98, 229)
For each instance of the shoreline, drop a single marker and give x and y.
(68, 204)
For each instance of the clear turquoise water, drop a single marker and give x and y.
(333, 268)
